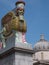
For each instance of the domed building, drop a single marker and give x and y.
(41, 52)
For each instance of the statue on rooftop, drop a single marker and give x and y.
(14, 21)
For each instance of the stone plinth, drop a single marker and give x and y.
(16, 53)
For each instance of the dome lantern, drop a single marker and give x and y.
(42, 37)
(41, 45)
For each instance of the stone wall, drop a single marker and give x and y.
(23, 59)
(9, 60)
(17, 59)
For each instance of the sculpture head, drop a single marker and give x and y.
(20, 9)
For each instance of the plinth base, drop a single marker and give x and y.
(16, 56)
(16, 53)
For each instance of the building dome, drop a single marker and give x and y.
(41, 45)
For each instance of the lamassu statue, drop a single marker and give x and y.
(13, 21)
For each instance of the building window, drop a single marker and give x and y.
(48, 47)
(43, 47)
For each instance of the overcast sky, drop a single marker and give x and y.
(36, 16)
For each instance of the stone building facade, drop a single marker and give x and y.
(41, 52)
